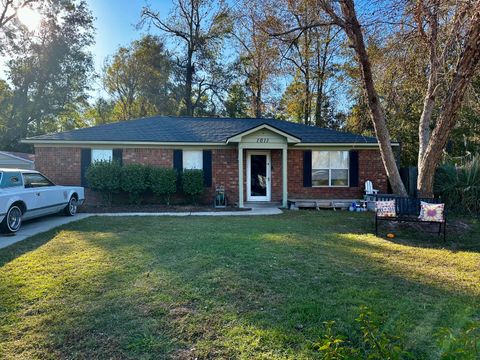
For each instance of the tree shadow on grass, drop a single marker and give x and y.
(270, 289)
(460, 235)
(227, 288)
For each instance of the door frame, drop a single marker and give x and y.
(269, 175)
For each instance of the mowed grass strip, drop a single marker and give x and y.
(228, 287)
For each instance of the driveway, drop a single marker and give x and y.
(37, 226)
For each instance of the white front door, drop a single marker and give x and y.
(258, 176)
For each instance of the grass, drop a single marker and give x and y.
(240, 287)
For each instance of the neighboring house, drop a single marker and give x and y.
(17, 160)
(254, 159)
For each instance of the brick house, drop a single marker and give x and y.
(262, 160)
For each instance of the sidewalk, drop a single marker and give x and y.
(253, 211)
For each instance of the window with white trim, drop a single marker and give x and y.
(102, 155)
(193, 159)
(330, 168)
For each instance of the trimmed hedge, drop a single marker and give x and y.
(134, 181)
(163, 182)
(192, 183)
(109, 178)
(104, 177)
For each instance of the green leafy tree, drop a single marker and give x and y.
(11, 28)
(139, 78)
(101, 112)
(49, 73)
(236, 105)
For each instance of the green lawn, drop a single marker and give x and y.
(240, 287)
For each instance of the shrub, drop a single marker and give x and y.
(459, 185)
(373, 342)
(192, 184)
(104, 177)
(460, 344)
(133, 181)
(163, 182)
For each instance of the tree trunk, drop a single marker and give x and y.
(429, 101)
(308, 103)
(322, 63)
(257, 94)
(188, 84)
(354, 33)
(306, 106)
(464, 72)
(258, 104)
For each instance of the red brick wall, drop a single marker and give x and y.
(148, 156)
(224, 173)
(60, 164)
(276, 180)
(370, 167)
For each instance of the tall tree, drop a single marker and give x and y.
(49, 71)
(139, 78)
(200, 27)
(309, 52)
(258, 59)
(462, 19)
(299, 48)
(348, 21)
(451, 33)
(9, 22)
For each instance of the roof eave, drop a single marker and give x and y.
(114, 142)
(354, 144)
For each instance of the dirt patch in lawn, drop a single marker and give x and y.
(152, 208)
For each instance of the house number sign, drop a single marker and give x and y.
(263, 140)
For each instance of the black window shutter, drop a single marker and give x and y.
(207, 168)
(353, 168)
(307, 168)
(178, 160)
(117, 155)
(85, 160)
(178, 165)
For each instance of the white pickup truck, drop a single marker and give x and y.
(27, 194)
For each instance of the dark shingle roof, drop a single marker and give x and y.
(197, 129)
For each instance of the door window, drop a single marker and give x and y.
(258, 175)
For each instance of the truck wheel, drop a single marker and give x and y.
(71, 208)
(12, 221)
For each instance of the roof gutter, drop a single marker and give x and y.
(72, 142)
(343, 144)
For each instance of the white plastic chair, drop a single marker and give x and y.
(369, 190)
